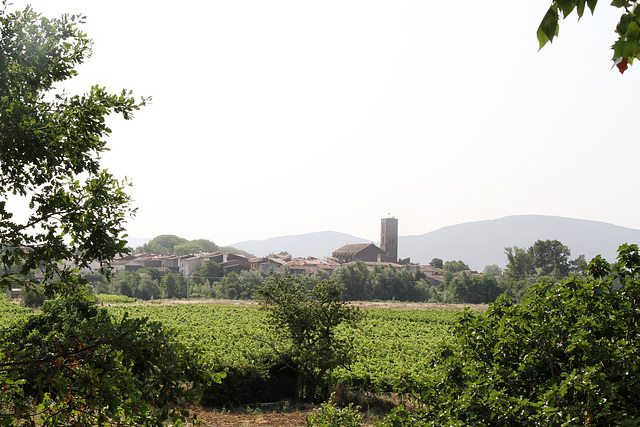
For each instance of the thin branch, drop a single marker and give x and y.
(14, 130)
(13, 366)
(280, 355)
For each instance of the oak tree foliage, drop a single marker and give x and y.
(455, 266)
(59, 209)
(436, 263)
(551, 257)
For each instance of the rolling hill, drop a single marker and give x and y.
(319, 244)
(477, 243)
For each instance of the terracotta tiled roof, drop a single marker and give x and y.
(353, 248)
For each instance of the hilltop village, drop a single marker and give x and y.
(367, 253)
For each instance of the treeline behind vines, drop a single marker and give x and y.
(382, 283)
(546, 261)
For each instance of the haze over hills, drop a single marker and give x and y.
(319, 244)
(477, 243)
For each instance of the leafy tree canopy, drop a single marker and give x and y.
(50, 144)
(475, 289)
(309, 320)
(162, 244)
(625, 49)
(492, 269)
(355, 279)
(551, 256)
(209, 270)
(207, 245)
(187, 248)
(389, 283)
(520, 263)
(437, 263)
(170, 244)
(71, 364)
(543, 258)
(455, 266)
(579, 266)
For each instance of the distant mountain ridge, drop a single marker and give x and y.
(318, 244)
(477, 243)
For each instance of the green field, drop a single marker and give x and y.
(11, 312)
(393, 346)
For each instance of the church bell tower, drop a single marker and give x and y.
(389, 238)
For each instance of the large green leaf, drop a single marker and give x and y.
(625, 49)
(581, 6)
(567, 6)
(548, 28)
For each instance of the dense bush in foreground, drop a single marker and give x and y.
(76, 364)
(569, 354)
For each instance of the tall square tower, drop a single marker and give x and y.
(389, 238)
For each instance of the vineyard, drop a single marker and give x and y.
(11, 313)
(393, 346)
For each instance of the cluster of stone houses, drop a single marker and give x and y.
(367, 253)
(274, 262)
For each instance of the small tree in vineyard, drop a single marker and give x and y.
(309, 320)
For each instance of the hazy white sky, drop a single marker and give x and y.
(273, 118)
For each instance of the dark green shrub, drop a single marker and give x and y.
(76, 364)
(244, 384)
(33, 299)
(568, 354)
(247, 384)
